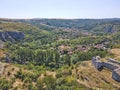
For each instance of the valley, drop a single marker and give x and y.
(56, 54)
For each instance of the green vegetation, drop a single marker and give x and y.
(57, 46)
(4, 84)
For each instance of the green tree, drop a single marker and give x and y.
(4, 84)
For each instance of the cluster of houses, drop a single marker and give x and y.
(65, 49)
(99, 46)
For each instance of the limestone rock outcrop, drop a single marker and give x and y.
(11, 35)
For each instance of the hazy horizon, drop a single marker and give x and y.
(58, 18)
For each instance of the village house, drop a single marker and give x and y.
(65, 49)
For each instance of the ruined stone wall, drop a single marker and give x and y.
(97, 63)
(116, 74)
(111, 64)
(113, 61)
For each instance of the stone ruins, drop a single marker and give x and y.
(111, 64)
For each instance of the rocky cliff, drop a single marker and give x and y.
(11, 35)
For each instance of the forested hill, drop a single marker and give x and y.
(97, 26)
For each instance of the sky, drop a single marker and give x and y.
(65, 9)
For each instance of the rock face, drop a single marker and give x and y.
(110, 64)
(11, 36)
(110, 29)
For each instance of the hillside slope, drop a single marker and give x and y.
(95, 79)
(84, 73)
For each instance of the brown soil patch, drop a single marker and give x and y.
(2, 53)
(115, 51)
